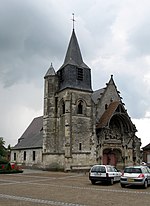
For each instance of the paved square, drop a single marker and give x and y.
(65, 189)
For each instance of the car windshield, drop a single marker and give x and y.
(98, 169)
(132, 170)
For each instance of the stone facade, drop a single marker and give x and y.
(117, 142)
(75, 132)
(68, 122)
(27, 157)
(146, 154)
(82, 127)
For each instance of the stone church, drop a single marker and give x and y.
(79, 127)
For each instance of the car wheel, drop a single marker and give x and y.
(112, 181)
(145, 184)
(123, 186)
(93, 182)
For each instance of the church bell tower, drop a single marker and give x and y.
(69, 126)
(74, 73)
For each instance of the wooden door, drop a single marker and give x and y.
(109, 159)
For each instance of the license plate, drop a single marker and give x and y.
(130, 180)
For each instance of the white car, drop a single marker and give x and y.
(135, 175)
(104, 173)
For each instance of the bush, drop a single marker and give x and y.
(6, 168)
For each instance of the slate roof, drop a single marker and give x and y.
(73, 55)
(51, 71)
(33, 135)
(107, 114)
(147, 147)
(96, 95)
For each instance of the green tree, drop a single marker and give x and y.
(2, 149)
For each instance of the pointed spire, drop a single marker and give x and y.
(51, 71)
(73, 55)
(111, 81)
(74, 73)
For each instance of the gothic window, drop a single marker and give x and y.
(33, 155)
(80, 108)
(24, 156)
(80, 74)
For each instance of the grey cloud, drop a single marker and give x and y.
(139, 39)
(134, 92)
(34, 34)
(28, 36)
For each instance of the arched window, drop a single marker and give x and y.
(80, 108)
(106, 106)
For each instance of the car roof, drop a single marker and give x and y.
(135, 166)
(103, 165)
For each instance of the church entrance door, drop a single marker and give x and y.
(109, 157)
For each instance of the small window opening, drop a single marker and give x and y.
(33, 155)
(106, 106)
(80, 146)
(24, 156)
(63, 108)
(56, 105)
(15, 156)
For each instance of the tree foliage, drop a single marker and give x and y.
(2, 148)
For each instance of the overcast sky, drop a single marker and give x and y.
(114, 38)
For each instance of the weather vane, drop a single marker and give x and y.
(73, 20)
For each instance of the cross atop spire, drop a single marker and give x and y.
(73, 20)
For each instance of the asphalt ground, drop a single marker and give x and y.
(34, 188)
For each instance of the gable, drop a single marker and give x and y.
(110, 93)
(116, 114)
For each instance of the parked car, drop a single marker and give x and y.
(135, 175)
(104, 173)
